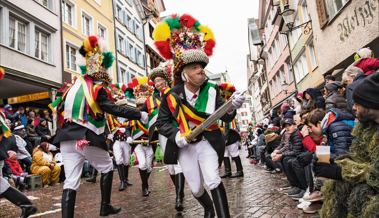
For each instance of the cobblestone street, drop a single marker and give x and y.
(255, 195)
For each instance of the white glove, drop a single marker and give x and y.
(129, 140)
(110, 137)
(122, 130)
(237, 103)
(180, 141)
(144, 117)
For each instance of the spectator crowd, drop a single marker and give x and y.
(346, 119)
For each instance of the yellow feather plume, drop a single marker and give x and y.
(161, 32)
(87, 45)
(142, 80)
(205, 29)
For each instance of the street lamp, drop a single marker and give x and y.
(288, 20)
(285, 87)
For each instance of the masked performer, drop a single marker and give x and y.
(82, 135)
(141, 89)
(232, 137)
(188, 104)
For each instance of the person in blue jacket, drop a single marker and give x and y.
(10, 115)
(22, 116)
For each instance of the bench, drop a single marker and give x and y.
(33, 180)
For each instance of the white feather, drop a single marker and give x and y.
(103, 45)
(80, 60)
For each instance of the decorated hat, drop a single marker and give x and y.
(163, 70)
(226, 90)
(140, 88)
(120, 93)
(184, 40)
(96, 58)
(4, 126)
(122, 102)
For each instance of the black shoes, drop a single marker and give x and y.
(145, 186)
(106, 189)
(120, 169)
(206, 201)
(220, 201)
(239, 173)
(93, 176)
(68, 203)
(126, 175)
(295, 192)
(228, 171)
(16, 197)
(179, 188)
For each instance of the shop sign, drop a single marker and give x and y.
(26, 98)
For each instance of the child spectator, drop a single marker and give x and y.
(18, 175)
(364, 59)
(22, 154)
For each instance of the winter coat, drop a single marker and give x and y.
(295, 145)
(15, 166)
(284, 143)
(24, 119)
(335, 100)
(22, 151)
(271, 146)
(30, 131)
(7, 144)
(38, 161)
(7, 170)
(289, 113)
(369, 65)
(312, 92)
(275, 119)
(261, 140)
(297, 106)
(11, 116)
(349, 92)
(43, 131)
(320, 97)
(337, 125)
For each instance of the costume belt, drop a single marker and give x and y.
(120, 136)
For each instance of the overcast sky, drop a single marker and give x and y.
(228, 21)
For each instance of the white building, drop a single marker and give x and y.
(219, 77)
(244, 114)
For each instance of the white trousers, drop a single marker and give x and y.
(4, 184)
(231, 150)
(121, 151)
(173, 169)
(145, 157)
(74, 159)
(199, 164)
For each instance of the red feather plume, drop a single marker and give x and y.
(134, 82)
(208, 49)
(130, 85)
(113, 86)
(187, 19)
(164, 49)
(150, 83)
(173, 15)
(93, 41)
(233, 89)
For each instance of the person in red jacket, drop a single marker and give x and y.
(18, 174)
(364, 59)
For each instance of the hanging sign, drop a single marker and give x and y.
(26, 98)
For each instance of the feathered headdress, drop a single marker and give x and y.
(119, 94)
(184, 40)
(4, 126)
(96, 58)
(163, 70)
(2, 74)
(140, 88)
(226, 90)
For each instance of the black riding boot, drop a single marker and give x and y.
(68, 203)
(106, 190)
(126, 175)
(93, 176)
(206, 201)
(220, 201)
(145, 187)
(120, 169)
(239, 173)
(179, 187)
(16, 197)
(228, 169)
(173, 179)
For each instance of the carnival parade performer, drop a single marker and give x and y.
(141, 89)
(188, 104)
(232, 137)
(162, 78)
(80, 106)
(8, 192)
(121, 147)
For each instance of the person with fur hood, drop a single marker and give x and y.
(364, 59)
(310, 101)
(296, 105)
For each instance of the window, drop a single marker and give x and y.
(283, 75)
(272, 11)
(290, 73)
(269, 24)
(267, 32)
(97, 1)
(279, 82)
(295, 35)
(305, 64)
(268, 65)
(101, 31)
(139, 58)
(272, 62)
(118, 13)
(278, 45)
(151, 30)
(70, 58)
(333, 6)
(17, 34)
(275, 87)
(284, 40)
(138, 31)
(41, 45)
(272, 91)
(86, 25)
(304, 11)
(313, 57)
(120, 44)
(131, 51)
(274, 52)
(123, 76)
(128, 22)
(67, 13)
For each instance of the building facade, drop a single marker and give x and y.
(244, 114)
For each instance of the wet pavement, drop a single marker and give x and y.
(255, 195)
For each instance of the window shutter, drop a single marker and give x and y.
(128, 76)
(117, 43)
(124, 45)
(115, 8)
(134, 27)
(141, 33)
(143, 61)
(124, 17)
(321, 11)
(127, 49)
(136, 55)
(119, 74)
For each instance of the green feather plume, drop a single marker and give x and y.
(196, 25)
(108, 59)
(173, 23)
(83, 69)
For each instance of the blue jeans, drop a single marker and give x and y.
(28, 163)
(86, 166)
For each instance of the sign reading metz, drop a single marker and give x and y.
(26, 98)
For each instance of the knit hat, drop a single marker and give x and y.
(300, 96)
(330, 77)
(7, 106)
(333, 86)
(271, 137)
(285, 106)
(366, 92)
(11, 153)
(41, 120)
